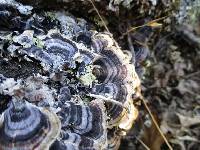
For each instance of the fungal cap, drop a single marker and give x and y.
(28, 127)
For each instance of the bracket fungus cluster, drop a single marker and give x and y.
(26, 127)
(74, 87)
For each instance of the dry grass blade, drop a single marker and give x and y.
(99, 16)
(143, 144)
(156, 124)
(152, 23)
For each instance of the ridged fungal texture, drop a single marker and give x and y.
(74, 89)
(26, 127)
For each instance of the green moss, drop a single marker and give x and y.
(50, 15)
(194, 13)
(88, 78)
(39, 43)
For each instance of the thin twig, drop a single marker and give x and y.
(107, 99)
(156, 124)
(143, 144)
